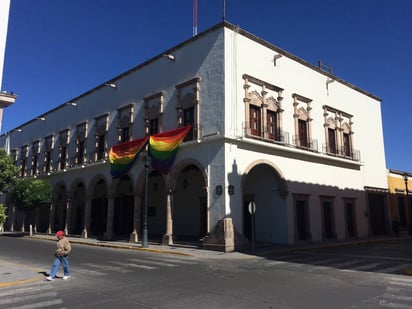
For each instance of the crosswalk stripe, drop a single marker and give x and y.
(401, 283)
(345, 263)
(273, 263)
(367, 266)
(155, 262)
(27, 289)
(384, 303)
(39, 305)
(23, 298)
(397, 297)
(398, 267)
(175, 260)
(88, 272)
(108, 267)
(401, 279)
(133, 265)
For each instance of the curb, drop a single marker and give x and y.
(117, 246)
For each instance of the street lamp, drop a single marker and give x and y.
(405, 178)
(147, 162)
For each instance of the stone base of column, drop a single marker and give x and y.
(167, 240)
(223, 238)
(107, 236)
(134, 237)
(84, 234)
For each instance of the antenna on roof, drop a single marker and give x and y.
(194, 17)
(224, 10)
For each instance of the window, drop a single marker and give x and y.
(263, 109)
(188, 119)
(23, 160)
(303, 133)
(81, 139)
(188, 94)
(125, 118)
(62, 158)
(125, 137)
(350, 218)
(101, 147)
(80, 152)
(64, 143)
(347, 145)
(153, 113)
(35, 150)
(302, 226)
(272, 125)
(338, 133)
(101, 128)
(303, 120)
(48, 147)
(328, 220)
(34, 165)
(47, 161)
(254, 120)
(154, 126)
(331, 141)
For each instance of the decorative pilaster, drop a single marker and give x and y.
(68, 216)
(168, 237)
(137, 210)
(87, 213)
(110, 215)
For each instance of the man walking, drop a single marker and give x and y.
(62, 257)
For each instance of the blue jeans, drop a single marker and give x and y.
(64, 260)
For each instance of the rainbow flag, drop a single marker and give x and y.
(122, 156)
(163, 148)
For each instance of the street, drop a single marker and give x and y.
(362, 276)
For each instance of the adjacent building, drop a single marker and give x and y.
(400, 201)
(280, 151)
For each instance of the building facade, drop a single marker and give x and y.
(6, 99)
(280, 151)
(400, 201)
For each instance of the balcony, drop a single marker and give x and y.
(280, 137)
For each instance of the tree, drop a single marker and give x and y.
(29, 192)
(8, 172)
(3, 215)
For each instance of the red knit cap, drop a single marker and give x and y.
(59, 233)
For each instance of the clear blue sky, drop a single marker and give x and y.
(59, 49)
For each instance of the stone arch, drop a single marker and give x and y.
(283, 186)
(78, 195)
(190, 208)
(60, 199)
(264, 184)
(122, 191)
(98, 194)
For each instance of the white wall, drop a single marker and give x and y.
(246, 56)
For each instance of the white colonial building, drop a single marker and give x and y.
(269, 129)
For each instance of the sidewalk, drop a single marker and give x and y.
(14, 274)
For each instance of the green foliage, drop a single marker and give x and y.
(31, 192)
(8, 171)
(3, 215)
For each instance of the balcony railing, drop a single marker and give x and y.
(343, 152)
(282, 138)
(268, 134)
(308, 144)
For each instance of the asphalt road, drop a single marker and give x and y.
(367, 276)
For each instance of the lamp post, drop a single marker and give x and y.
(145, 205)
(406, 178)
